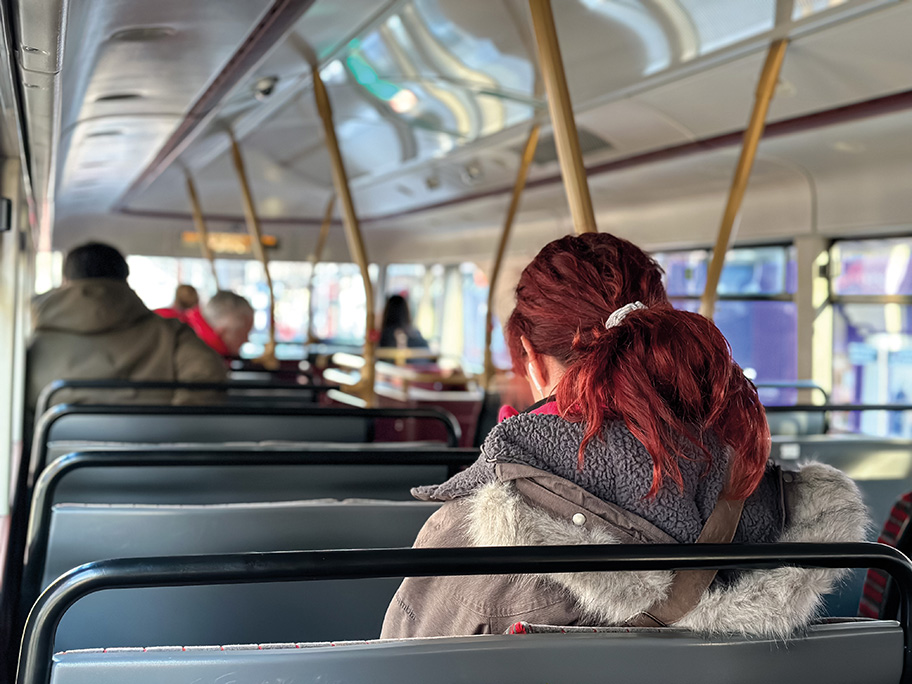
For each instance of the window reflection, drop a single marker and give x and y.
(339, 305)
(764, 340)
(872, 364)
(805, 8)
(449, 305)
(873, 267)
(720, 23)
(747, 271)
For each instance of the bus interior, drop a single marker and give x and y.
(319, 157)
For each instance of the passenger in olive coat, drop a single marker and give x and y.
(96, 327)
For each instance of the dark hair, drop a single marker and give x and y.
(95, 260)
(186, 297)
(667, 374)
(396, 314)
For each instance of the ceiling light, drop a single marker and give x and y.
(785, 88)
(848, 147)
(265, 87)
(118, 97)
(404, 101)
(140, 34)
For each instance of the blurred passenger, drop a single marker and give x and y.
(646, 432)
(186, 299)
(95, 327)
(224, 322)
(397, 329)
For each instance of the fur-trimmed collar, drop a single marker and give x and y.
(823, 506)
(618, 469)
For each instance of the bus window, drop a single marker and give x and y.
(756, 310)
(48, 271)
(871, 282)
(339, 312)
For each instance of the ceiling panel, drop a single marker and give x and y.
(131, 69)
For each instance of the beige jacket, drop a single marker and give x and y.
(530, 507)
(100, 329)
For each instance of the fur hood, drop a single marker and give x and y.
(822, 506)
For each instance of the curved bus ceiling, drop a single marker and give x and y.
(431, 97)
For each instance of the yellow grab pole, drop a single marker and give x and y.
(521, 175)
(352, 233)
(200, 222)
(766, 88)
(317, 258)
(565, 135)
(268, 359)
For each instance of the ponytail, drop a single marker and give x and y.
(667, 374)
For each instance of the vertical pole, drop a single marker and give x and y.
(352, 232)
(521, 175)
(317, 258)
(268, 359)
(565, 134)
(766, 88)
(200, 222)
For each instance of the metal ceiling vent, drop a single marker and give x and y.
(546, 152)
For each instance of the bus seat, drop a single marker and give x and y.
(303, 611)
(897, 532)
(67, 426)
(242, 484)
(795, 423)
(836, 654)
(882, 469)
(195, 428)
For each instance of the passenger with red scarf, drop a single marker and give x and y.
(224, 322)
(186, 299)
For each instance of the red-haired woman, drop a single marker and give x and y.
(647, 432)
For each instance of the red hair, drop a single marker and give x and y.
(668, 374)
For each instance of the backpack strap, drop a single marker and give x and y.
(688, 586)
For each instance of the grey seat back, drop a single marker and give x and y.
(212, 484)
(835, 654)
(175, 428)
(221, 614)
(795, 423)
(882, 469)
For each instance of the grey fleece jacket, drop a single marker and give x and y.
(618, 469)
(525, 490)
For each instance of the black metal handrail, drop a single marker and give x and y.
(30, 467)
(47, 394)
(810, 408)
(39, 522)
(46, 422)
(37, 647)
(793, 384)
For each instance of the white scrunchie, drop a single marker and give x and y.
(618, 316)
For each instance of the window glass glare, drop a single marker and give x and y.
(720, 23)
(339, 305)
(872, 267)
(747, 271)
(764, 341)
(806, 8)
(872, 364)
(48, 271)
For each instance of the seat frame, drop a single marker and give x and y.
(36, 656)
